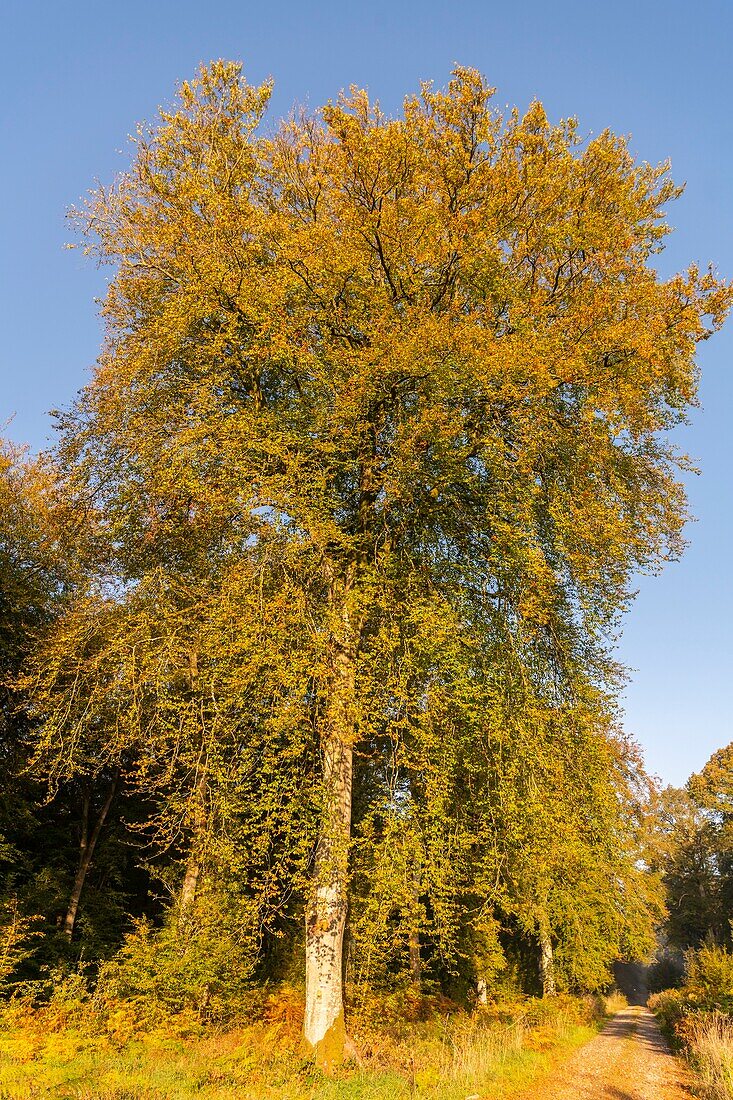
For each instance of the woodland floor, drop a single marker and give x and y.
(628, 1060)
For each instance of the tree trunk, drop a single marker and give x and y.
(415, 960)
(190, 884)
(324, 1029)
(193, 866)
(414, 932)
(197, 813)
(547, 964)
(86, 854)
(326, 913)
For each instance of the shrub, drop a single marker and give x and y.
(16, 933)
(709, 981)
(670, 1006)
(698, 1016)
(203, 965)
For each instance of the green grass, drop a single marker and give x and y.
(435, 1060)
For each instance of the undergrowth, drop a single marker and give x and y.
(698, 1018)
(409, 1047)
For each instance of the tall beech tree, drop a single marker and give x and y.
(411, 375)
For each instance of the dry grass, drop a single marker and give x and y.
(438, 1055)
(614, 1002)
(709, 1039)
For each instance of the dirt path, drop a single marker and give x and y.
(629, 1060)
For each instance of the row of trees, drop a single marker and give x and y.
(695, 831)
(315, 595)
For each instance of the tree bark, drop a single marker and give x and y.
(190, 884)
(193, 865)
(324, 1028)
(414, 933)
(86, 853)
(547, 964)
(197, 815)
(415, 960)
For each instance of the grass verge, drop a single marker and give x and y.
(448, 1056)
(709, 1044)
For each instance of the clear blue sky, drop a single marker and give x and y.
(77, 77)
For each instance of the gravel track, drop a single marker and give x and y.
(628, 1060)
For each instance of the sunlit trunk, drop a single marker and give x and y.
(326, 915)
(547, 964)
(196, 815)
(324, 1028)
(194, 863)
(190, 884)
